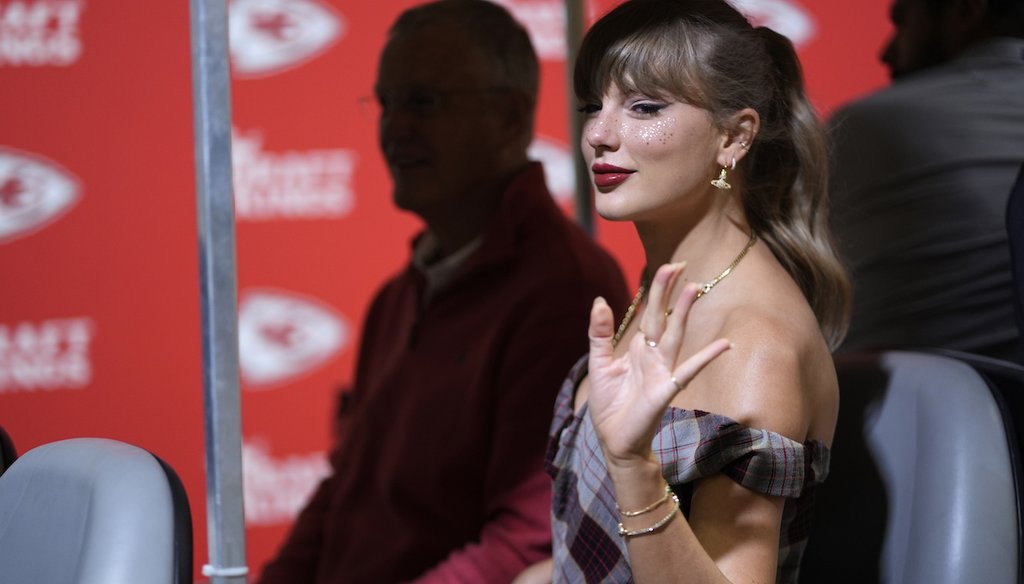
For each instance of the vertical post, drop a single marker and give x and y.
(211, 98)
(573, 35)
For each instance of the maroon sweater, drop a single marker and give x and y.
(438, 474)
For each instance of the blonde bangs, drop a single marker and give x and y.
(651, 62)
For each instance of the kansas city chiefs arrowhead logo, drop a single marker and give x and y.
(270, 36)
(283, 335)
(34, 192)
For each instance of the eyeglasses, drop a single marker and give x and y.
(420, 103)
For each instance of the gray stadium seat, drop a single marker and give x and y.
(923, 488)
(93, 511)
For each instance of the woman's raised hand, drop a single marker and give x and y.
(629, 394)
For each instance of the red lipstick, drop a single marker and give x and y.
(607, 175)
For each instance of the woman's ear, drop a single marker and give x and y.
(740, 132)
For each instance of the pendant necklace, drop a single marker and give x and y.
(704, 289)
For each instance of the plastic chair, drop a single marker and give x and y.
(1007, 381)
(93, 511)
(923, 487)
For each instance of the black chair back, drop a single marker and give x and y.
(1015, 230)
(7, 452)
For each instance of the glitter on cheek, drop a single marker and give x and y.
(658, 131)
(625, 130)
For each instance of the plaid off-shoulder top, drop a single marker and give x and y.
(691, 445)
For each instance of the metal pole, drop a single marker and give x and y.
(211, 98)
(573, 36)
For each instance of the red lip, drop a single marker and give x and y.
(607, 175)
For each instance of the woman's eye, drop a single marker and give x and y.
(589, 108)
(647, 108)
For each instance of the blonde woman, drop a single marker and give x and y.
(686, 447)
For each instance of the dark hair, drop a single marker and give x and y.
(1002, 17)
(499, 38)
(705, 53)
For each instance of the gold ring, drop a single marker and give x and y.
(678, 384)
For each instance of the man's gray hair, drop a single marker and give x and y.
(501, 40)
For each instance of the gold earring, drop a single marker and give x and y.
(720, 182)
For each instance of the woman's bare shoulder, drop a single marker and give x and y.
(778, 375)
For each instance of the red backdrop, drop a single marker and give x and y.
(99, 318)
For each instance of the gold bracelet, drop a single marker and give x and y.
(657, 524)
(647, 509)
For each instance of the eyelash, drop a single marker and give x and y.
(643, 108)
(647, 109)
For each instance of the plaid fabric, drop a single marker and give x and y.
(690, 445)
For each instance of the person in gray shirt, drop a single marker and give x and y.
(921, 173)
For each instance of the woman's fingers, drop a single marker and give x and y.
(690, 368)
(672, 339)
(601, 331)
(653, 324)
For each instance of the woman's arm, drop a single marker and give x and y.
(733, 533)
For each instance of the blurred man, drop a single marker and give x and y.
(921, 175)
(438, 473)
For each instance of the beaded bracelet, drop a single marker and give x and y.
(647, 509)
(657, 524)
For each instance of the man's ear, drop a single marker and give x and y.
(738, 135)
(516, 109)
(516, 115)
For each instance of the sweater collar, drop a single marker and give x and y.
(526, 198)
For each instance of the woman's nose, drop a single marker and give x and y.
(599, 132)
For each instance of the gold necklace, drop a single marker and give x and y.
(642, 291)
(711, 283)
(626, 318)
